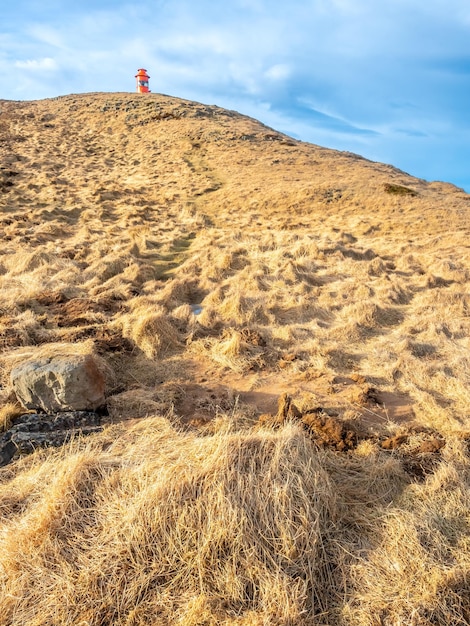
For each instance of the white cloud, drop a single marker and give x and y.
(38, 65)
(278, 72)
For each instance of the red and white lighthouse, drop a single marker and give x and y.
(142, 81)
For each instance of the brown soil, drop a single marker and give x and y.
(330, 431)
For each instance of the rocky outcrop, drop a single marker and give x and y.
(59, 383)
(34, 430)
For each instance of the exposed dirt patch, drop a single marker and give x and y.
(107, 340)
(49, 298)
(200, 403)
(421, 440)
(80, 311)
(75, 312)
(399, 190)
(394, 442)
(362, 395)
(11, 338)
(418, 448)
(252, 337)
(326, 430)
(376, 405)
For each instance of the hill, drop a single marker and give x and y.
(284, 334)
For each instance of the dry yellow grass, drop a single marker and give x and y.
(205, 258)
(153, 525)
(163, 522)
(8, 412)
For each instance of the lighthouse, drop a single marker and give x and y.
(142, 81)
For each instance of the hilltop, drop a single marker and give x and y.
(250, 299)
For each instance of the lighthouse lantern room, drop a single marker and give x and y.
(142, 81)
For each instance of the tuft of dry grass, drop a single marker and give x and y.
(8, 412)
(152, 331)
(234, 525)
(417, 570)
(231, 524)
(237, 350)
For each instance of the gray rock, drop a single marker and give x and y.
(59, 383)
(7, 449)
(34, 430)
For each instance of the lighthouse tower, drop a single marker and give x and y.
(142, 81)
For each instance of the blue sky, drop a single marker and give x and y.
(388, 79)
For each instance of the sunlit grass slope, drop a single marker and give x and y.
(212, 264)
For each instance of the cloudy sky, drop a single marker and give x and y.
(388, 79)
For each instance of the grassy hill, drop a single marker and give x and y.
(285, 336)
